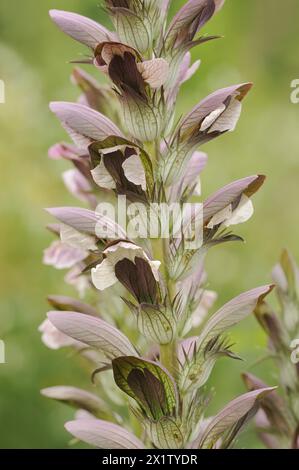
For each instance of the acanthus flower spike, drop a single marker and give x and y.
(147, 333)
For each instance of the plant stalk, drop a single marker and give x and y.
(168, 352)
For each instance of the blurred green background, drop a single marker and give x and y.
(261, 45)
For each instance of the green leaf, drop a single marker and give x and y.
(199, 363)
(146, 382)
(143, 121)
(131, 29)
(155, 324)
(165, 434)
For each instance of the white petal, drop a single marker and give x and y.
(228, 120)
(220, 217)
(155, 265)
(154, 72)
(103, 275)
(123, 250)
(211, 118)
(129, 251)
(102, 177)
(112, 149)
(122, 246)
(242, 213)
(134, 171)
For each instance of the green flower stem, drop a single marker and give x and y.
(159, 254)
(168, 352)
(168, 357)
(151, 150)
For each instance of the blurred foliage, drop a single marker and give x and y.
(259, 45)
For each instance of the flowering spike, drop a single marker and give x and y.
(138, 248)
